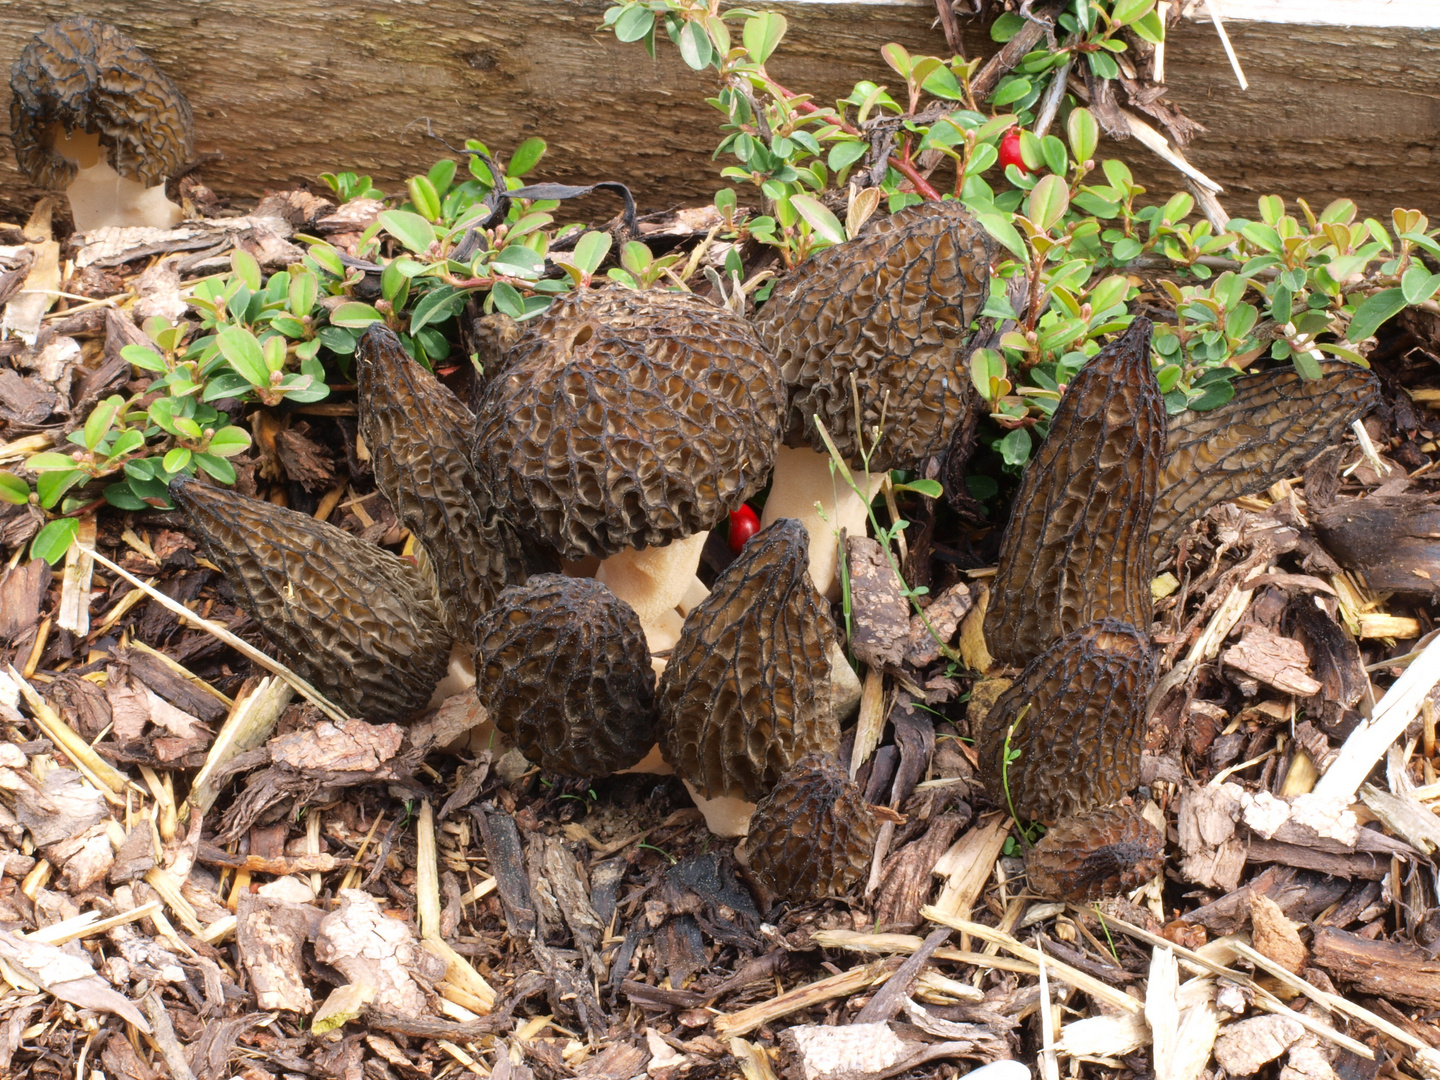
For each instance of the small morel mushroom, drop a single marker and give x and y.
(418, 434)
(747, 691)
(349, 617)
(91, 114)
(1274, 424)
(562, 667)
(1077, 547)
(1098, 853)
(1078, 718)
(813, 836)
(623, 425)
(884, 317)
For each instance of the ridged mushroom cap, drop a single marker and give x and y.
(814, 835)
(1077, 547)
(747, 692)
(1078, 712)
(624, 419)
(349, 617)
(893, 307)
(561, 666)
(1095, 854)
(85, 75)
(418, 434)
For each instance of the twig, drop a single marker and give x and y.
(1225, 41)
(1050, 103)
(1024, 40)
(1157, 72)
(1152, 139)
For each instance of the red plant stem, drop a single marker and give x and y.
(905, 168)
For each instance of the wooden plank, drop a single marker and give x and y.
(286, 89)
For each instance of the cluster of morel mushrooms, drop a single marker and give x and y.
(560, 529)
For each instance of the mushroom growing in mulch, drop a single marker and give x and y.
(92, 115)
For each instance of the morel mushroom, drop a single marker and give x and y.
(349, 617)
(1067, 736)
(1078, 546)
(418, 434)
(625, 424)
(1098, 853)
(747, 691)
(883, 318)
(562, 667)
(1274, 424)
(812, 836)
(91, 114)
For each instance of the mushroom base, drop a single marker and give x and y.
(803, 488)
(726, 815)
(654, 581)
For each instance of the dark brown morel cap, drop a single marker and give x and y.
(893, 308)
(628, 419)
(85, 75)
(418, 434)
(1077, 547)
(746, 692)
(562, 667)
(1273, 425)
(814, 835)
(349, 617)
(1078, 713)
(1096, 854)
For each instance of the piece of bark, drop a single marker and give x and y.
(905, 876)
(67, 976)
(880, 618)
(1334, 655)
(1391, 540)
(306, 462)
(943, 616)
(135, 856)
(63, 805)
(365, 946)
(21, 589)
(890, 999)
(1243, 1047)
(271, 937)
(1274, 935)
(1361, 865)
(1277, 661)
(354, 746)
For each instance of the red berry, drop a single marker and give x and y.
(743, 525)
(1010, 151)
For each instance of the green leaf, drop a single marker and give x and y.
(1368, 317)
(436, 306)
(1214, 395)
(243, 264)
(591, 250)
(1418, 285)
(1084, 134)
(100, 419)
(1102, 66)
(1048, 201)
(424, 197)
(695, 46)
(51, 485)
(54, 540)
(127, 442)
(1127, 11)
(845, 153)
(930, 489)
(1015, 447)
(1150, 28)
(820, 218)
(762, 34)
(412, 230)
(1006, 27)
(1307, 365)
(507, 300)
(119, 495)
(303, 291)
(228, 441)
(1053, 151)
(143, 358)
(49, 462)
(13, 490)
(217, 467)
(525, 157)
(242, 352)
(1011, 89)
(354, 315)
(176, 460)
(634, 23)
(897, 57)
(998, 226)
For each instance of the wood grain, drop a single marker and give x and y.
(286, 89)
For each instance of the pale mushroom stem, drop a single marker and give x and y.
(654, 581)
(100, 197)
(802, 479)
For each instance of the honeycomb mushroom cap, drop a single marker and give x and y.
(625, 419)
(1077, 547)
(85, 75)
(814, 835)
(1095, 854)
(418, 434)
(561, 666)
(893, 307)
(1274, 424)
(347, 616)
(747, 691)
(1078, 712)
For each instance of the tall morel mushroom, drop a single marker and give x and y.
(747, 691)
(418, 434)
(91, 114)
(814, 834)
(884, 318)
(624, 425)
(1077, 547)
(349, 617)
(561, 665)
